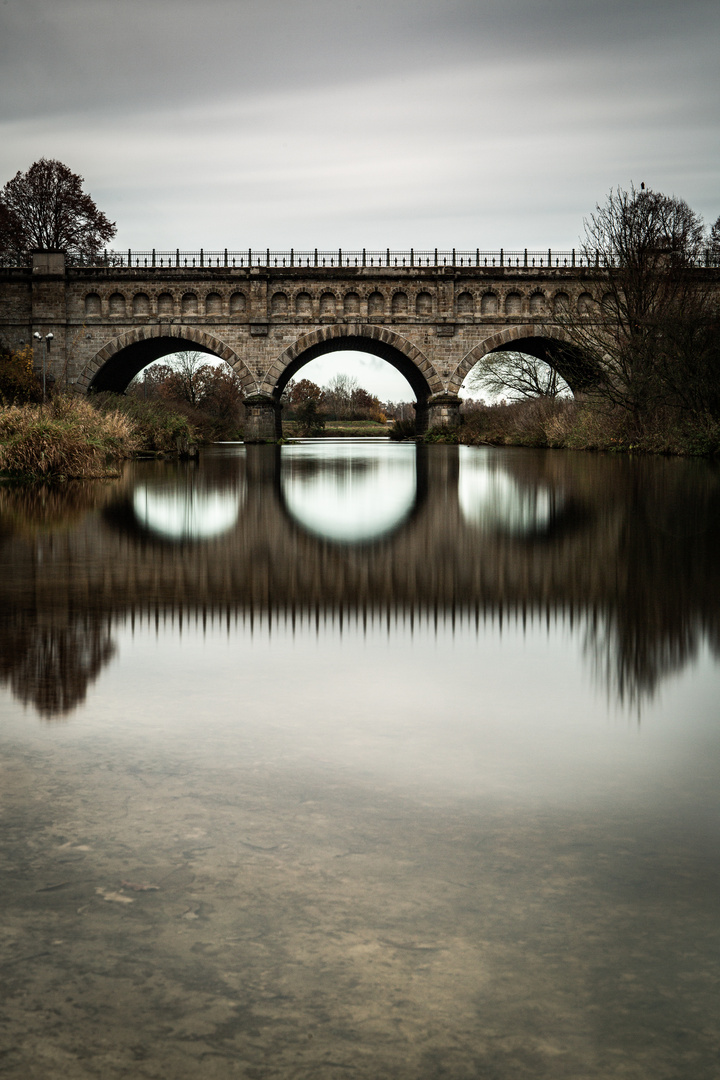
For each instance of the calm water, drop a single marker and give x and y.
(362, 760)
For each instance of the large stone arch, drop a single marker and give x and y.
(360, 337)
(549, 343)
(119, 361)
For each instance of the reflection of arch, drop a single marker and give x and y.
(120, 360)
(550, 344)
(359, 337)
(185, 513)
(353, 497)
(491, 499)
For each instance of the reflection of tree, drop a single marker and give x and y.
(667, 579)
(51, 664)
(632, 660)
(29, 507)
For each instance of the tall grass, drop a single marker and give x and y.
(160, 427)
(585, 425)
(67, 438)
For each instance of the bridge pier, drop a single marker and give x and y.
(440, 411)
(262, 419)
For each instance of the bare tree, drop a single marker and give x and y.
(46, 207)
(714, 243)
(338, 395)
(652, 303)
(516, 375)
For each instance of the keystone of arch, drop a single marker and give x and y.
(496, 341)
(208, 342)
(369, 331)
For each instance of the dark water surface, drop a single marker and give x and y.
(362, 760)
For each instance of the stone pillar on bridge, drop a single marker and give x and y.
(49, 313)
(262, 419)
(441, 411)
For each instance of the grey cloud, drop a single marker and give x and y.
(85, 55)
(409, 122)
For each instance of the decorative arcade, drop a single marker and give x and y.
(432, 315)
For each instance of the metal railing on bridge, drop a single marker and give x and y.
(345, 259)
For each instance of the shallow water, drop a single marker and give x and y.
(362, 760)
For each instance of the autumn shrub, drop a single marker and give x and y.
(590, 425)
(68, 438)
(18, 382)
(514, 423)
(402, 429)
(160, 427)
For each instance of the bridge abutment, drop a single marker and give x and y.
(263, 421)
(440, 411)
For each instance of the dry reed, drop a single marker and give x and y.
(67, 439)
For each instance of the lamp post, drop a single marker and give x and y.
(46, 353)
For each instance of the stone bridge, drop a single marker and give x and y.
(431, 315)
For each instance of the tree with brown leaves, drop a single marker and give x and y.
(47, 208)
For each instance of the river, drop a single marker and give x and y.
(362, 760)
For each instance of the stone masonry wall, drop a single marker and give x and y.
(254, 317)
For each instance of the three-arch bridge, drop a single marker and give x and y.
(431, 317)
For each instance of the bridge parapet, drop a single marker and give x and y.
(337, 258)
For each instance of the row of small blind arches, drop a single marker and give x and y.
(465, 304)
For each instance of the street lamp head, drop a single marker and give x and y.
(49, 337)
(37, 336)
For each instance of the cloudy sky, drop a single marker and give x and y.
(376, 123)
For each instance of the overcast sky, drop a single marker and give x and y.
(351, 123)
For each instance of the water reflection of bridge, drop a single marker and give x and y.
(628, 547)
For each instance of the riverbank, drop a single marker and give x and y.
(338, 429)
(564, 424)
(73, 438)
